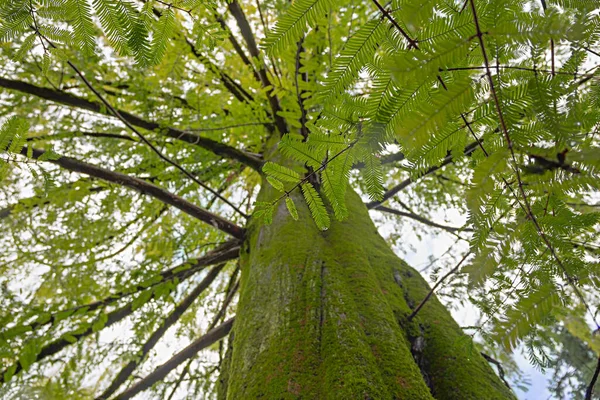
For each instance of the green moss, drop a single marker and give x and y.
(321, 315)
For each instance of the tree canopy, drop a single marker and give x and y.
(133, 137)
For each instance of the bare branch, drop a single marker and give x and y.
(498, 365)
(437, 284)
(402, 185)
(212, 336)
(143, 187)
(423, 220)
(299, 93)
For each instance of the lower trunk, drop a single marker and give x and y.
(324, 315)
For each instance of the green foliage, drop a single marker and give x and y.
(292, 24)
(316, 206)
(365, 112)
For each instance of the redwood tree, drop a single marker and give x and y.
(194, 179)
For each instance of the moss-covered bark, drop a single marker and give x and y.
(323, 315)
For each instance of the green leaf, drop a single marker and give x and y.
(276, 183)
(162, 34)
(142, 299)
(80, 15)
(10, 372)
(316, 206)
(263, 211)
(281, 173)
(292, 24)
(100, 322)
(289, 203)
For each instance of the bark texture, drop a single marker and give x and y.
(322, 315)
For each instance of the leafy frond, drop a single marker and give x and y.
(316, 206)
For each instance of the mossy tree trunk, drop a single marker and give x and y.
(324, 315)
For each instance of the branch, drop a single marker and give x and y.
(237, 47)
(411, 42)
(299, 93)
(515, 67)
(437, 284)
(223, 253)
(402, 185)
(421, 219)
(498, 365)
(246, 31)
(143, 187)
(175, 315)
(59, 136)
(230, 84)
(67, 99)
(212, 336)
(590, 389)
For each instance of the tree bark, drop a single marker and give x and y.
(324, 315)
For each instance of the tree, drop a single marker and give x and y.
(204, 170)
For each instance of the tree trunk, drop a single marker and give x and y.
(324, 315)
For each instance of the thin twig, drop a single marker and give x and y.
(422, 220)
(411, 42)
(515, 67)
(498, 365)
(437, 284)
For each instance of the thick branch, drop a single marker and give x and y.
(78, 102)
(175, 315)
(212, 336)
(498, 365)
(236, 10)
(146, 188)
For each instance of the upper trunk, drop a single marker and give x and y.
(324, 315)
